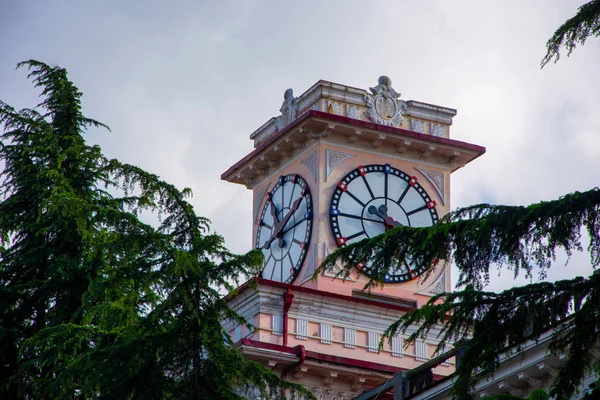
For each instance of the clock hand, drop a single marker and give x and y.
(388, 221)
(373, 210)
(295, 225)
(279, 225)
(274, 212)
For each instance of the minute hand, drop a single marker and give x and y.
(281, 224)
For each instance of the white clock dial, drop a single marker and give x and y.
(375, 198)
(284, 228)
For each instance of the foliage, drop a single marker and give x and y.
(95, 303)
(574, 31)
(477, 238)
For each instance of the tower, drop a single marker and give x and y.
(338, 165)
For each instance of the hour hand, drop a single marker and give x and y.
(274, 212)
(373, 210)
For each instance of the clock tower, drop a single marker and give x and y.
(339, 165)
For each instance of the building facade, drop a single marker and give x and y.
(339, 165)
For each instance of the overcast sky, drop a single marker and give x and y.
(182, 84)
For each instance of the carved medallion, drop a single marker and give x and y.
(385, 108)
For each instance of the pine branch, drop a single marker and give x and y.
(574, 31)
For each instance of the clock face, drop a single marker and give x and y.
(284, 228)
(373, 199)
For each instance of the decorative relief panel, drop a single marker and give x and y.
(437, 130)
(332, 272)
(311, 162)
(335, 158)
(438, 285)
(329, 394)
(385, 108)
(309, 264)
(437, 181)
(316, 106)
(334, 108)
(417, 125)
(258, 200)
(353, 112)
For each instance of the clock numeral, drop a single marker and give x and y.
(307, 215)
(292, 271)
(387, 168)
(302, 245)
(431, 204)
(281, 179)
(412, 181)
(334, 211)
(294, 178)
(362, 170)
(304, 191)
(269, 196)
(342, 186)
(341, 241)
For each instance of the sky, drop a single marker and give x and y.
(183, 84)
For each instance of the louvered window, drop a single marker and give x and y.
(277, 325)
(350, 338)
(373, 342)
(325, 333)
(301, 329)
(397, 344)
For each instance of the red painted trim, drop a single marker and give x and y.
(301, 351)
(323, 357)
(354, 122)
(288, 299)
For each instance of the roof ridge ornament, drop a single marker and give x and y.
(385, 108)
(289, 110)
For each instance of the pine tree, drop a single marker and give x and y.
(95, 303)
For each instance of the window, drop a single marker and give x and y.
(301, 329)
(373, 343)
(397, 344)
(350, 338)
(277, 325)
(420, 350)
(325, 333)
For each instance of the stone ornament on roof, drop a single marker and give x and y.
(289, 110)
(385, 108)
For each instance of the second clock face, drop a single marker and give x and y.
(284, 228)
(375, 198)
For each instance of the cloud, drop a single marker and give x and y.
(183, 85)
